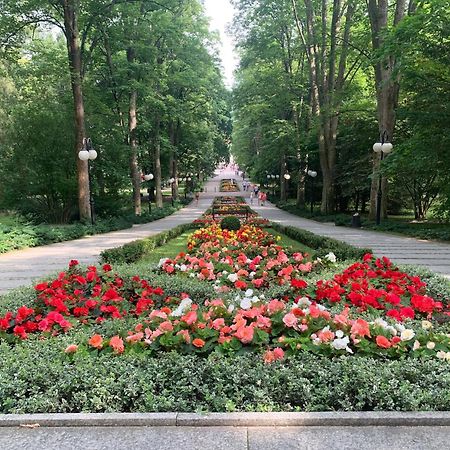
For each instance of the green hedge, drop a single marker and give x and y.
(37, 377)
(134, 251)
(24, 236)
(321, 244)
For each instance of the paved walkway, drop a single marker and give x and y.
(227, 438)
(22, 267)
(403, 250)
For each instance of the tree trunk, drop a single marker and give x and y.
(173, 163)
(71, 9)
(387, 88)
(301, 189)
(132, 142)
(157, 156)
(283, 181)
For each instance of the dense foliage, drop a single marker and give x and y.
(19, 235)
(309, 97)
(152, 95)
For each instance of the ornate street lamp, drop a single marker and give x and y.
(313, 175)
(87, 153)
(383, 148)
(149, 177)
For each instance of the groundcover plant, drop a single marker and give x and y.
(370, 308)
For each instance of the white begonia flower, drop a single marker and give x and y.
(342, 344)
(246, 303)
(183, 267)
(407, 335)
(262, 296)
(249, 293)
(224, 272)
(230, 308)
(431, 345)
(304, 301)
(447, 356)
(255, 299)
(162, 261)
(416, 345)
(252, 275)
(380, 322)
(331, 257)
(400, 327)
(232, 277)
(249, 260)
(440, 354)
(321, 308)
(427, 325)
(339, 334)
(192, 274)
(182, 307)
(392, 330)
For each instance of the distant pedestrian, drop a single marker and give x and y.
(197, 196)
(252, 196)
(263, 198)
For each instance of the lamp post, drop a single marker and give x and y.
(287, 177)
(313, 175)
(87, 153)
(149, 177)
(383, 147)
(171, 181)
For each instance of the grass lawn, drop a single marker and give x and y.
(286, 241)
(169, 250)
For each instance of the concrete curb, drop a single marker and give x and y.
(317, 419)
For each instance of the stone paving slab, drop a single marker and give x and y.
(349, 438)
(124, 438)
(226, 438)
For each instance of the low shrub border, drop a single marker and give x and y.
(26, 236)
(189, 383)
(136, 250)
(322, 244)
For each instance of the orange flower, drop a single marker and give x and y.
(361, 328)
(383, 342)
(199, 343)
(116, 343)
(96, 341)
(72, 348)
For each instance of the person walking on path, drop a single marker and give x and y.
(197, 196)
(263, 198)
(252, 196)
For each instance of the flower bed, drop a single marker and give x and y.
(229, 186)
(223, 206)
(370, 308)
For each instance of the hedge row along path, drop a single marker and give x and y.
(23, 267)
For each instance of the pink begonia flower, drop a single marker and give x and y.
(245, 334)
(290, 320)
(278, 353)
(166, 326)
(275, 306)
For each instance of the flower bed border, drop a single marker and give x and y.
(321, 243)
(239, 419)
